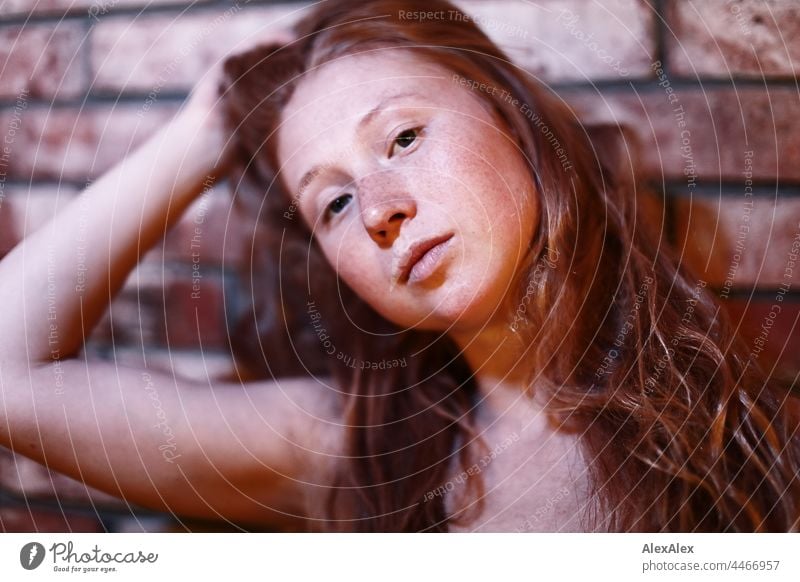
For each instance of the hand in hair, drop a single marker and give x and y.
(204, 108)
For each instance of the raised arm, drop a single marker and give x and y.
(118, 218)
(222, 451)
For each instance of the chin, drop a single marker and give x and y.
(457, 306)
(440, 318)
(473, 304)
(460, 316)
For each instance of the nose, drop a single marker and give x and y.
(385, 210)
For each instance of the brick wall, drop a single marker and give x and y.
(709, 87)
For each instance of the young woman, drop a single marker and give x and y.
(461, 323)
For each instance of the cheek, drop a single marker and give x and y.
(350, 257)
(499, 213)
(498, 204)
(512, 198)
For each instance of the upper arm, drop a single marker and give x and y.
(240, 452)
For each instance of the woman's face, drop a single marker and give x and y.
(417, 198)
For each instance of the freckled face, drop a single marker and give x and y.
(387, 155)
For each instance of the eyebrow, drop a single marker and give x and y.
(375, 111)
(368, 118)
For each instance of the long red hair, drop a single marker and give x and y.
(680, 429)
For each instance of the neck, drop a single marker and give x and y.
(496, 356)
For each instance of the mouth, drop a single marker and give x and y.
(421, 259)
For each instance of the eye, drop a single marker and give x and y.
(338, 204)
(404, 140)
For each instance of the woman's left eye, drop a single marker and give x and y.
(404, 140)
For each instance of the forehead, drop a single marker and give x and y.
(332, 100)
(349, 83)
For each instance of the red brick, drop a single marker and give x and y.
(29, 7)
(71, 144)
(562, 40)
(742, 38)
(208, 228)
(171, 52)
(25, 210)
(156, 307)
(44, 61)
(135, 316)
(779, 354)
(723, 125)
(733, 244)
(93, 8)
(159, 52)
(195, 314)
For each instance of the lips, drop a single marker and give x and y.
(424, 255)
